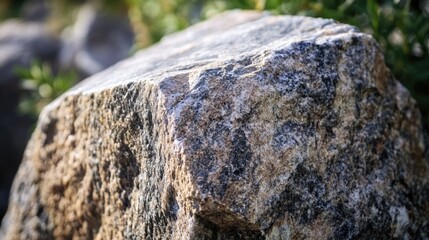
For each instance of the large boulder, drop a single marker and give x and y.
(247, 126)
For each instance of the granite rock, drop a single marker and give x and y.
(246, 126)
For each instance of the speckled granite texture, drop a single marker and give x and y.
(246, 126)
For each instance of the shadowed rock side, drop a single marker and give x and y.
(266, 128)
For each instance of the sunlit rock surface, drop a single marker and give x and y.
(246, 126)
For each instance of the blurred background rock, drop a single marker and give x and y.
(47, 46)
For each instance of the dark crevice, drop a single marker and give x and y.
(50, 130)
(208, 230)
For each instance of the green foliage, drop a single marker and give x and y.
(41, 86)
(155, 18)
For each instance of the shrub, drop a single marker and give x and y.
(40, 86)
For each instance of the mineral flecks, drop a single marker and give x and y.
(247, 126)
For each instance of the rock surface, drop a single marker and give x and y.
(247, 126)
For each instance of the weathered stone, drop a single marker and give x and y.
(247, 126)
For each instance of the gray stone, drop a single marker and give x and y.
(22, 43)
(246, 126)
(96, 41)
(36, 10)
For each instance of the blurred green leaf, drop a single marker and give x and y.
(40, 86)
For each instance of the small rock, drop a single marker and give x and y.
(23, 42)
(96, 41)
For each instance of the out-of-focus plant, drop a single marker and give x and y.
(64, 12)
(153, 19)
(10, 8)
(40, 86)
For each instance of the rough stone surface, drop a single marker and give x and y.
(247, 126)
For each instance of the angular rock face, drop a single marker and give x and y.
(247, 126)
